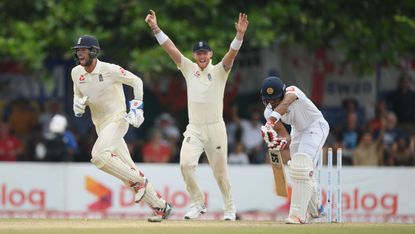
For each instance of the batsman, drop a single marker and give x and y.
(309, 131)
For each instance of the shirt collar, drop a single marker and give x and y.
(209, 65)
(97, 68)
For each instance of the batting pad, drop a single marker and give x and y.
(152, 198)
(314, 204)
(112, 165)
(300, 169)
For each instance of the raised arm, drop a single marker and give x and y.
(163, 39)
(236, 44)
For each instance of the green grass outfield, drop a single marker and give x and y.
(112, 226)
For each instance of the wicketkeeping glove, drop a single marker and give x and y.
(136, 115)
(79, 105)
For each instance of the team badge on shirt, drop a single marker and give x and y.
(100, 78)
(209, 77)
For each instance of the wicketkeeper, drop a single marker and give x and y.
(99, 85)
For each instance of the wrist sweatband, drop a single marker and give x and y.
(161, 37)
(276, 115)
(236, 44)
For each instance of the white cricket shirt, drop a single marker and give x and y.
(301, 113)
(104, 89)
(205, 90)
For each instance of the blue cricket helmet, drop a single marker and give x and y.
(87, 41)
(272, 88)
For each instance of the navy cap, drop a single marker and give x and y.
(86, 41)
(201, 45)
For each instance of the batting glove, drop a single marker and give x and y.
(136, 115)
(79, 105)
(278, 143)
(268, 134)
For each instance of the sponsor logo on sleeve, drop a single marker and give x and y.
(82, 79)
(122, 70)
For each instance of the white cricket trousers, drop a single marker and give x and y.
(212, 139)
(111, 143)
(310, 140)
(111, 138)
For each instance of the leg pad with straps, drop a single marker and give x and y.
(300, 171)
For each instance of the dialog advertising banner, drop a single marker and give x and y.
(76, 190)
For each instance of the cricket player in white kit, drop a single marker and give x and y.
(99, 85)
(309, 131)
(206, 129)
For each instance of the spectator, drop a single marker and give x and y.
(368, 152)
(53, 107)
(233, 129)
(351, 106)
(238, 156)
(251, 137)
(10, 146)
(85, 146)
(23, 118)
(349, 138)
(231, 93)
(381, 112)
(169, 131)
(391, 136)
(402, 101)
(58, 144)
(401, 153)
(171, 92)
(156, 150)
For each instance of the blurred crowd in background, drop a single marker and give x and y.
(47, 131)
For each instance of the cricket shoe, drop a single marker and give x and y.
(195, 211)
(321, 214)
(160, 213)
(294, 220)
(229, 216)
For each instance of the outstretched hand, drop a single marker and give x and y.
(242, 23)
(151, 19)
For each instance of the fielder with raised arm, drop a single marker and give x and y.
(206, 129)
(309, 131)
(98, 85)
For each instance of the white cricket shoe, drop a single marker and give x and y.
(229, 216)
(293, 220)
(160, 213)
(321, 214)
(195, 211)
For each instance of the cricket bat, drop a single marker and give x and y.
(278, 171)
